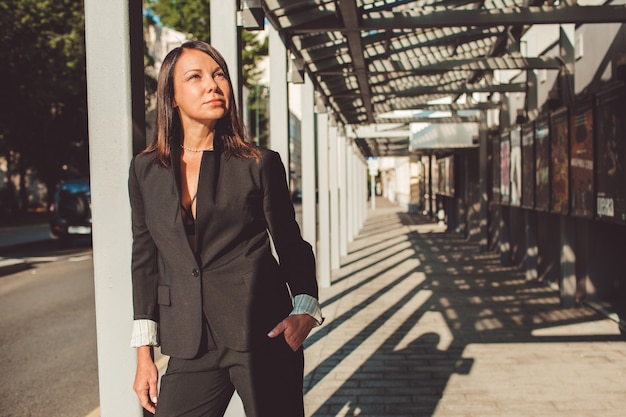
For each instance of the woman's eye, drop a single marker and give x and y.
(219, 75)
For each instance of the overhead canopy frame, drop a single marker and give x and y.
(370, 58)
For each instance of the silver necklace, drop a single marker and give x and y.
(195, 150)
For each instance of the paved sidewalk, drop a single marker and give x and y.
(17, 235)
(420, 323)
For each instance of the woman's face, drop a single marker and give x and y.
(201, 90)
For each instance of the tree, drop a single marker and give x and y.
(43, 114)
(192, 17)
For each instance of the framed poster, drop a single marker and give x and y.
(495, 167)
(445, 167)
(528, 165)
(516, 167)
(582, 192)
(559, 161)
(505, 182)
(611, 154)
(542, 163)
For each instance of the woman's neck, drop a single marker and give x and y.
(200, 138)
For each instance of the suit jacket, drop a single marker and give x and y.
(233, 278)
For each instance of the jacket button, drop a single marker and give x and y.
(195, 273)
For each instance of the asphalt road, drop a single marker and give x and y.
(48, 361)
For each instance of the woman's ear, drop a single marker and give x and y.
(174, 104)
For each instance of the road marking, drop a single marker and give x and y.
(11, 262)
(41, 259)
(79, 258)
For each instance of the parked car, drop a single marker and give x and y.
(70, 211)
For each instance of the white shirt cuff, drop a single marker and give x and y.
(305, 304)
(145, 333)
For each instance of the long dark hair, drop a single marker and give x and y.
(230, 135)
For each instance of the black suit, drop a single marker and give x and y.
(215, 307)
(234, 276)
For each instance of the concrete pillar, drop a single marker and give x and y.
(225, 38)
(279, 98)
(430, 210)
(414, 191)
(323, 255)
(362, 188)
(350, 188)
(309, 217)
(505, 236)
(343, 194)
(566, 52)
(483, 181)
(107, 43)
(567, 284)
(333, 174)
(532, 250)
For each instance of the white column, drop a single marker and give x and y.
(362, 190)
(343, 195)
(362, 175)
(224, 38)
(358, 187)
(350, 189)
(333, 173)
(309, 217)
(110, 150)
(279, 99)
(323, 255)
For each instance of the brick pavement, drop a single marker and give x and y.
(420, 323)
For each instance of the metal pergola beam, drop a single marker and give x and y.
(468, 64)
(469, 18)
(351, 20)
(492, 63)
(452, 107)
(499, 88)
(431, 120)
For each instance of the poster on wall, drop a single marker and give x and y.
(611, 155)
(582, 193)
(516, 167)
(495, 167)
(434, 175)
(559, 161)
(451, 176)
(528, 165)
(445, 168)
(505, 183)
(542, 163)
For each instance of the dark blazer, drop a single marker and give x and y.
(234, 278)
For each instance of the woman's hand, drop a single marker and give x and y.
(146, 376)
(296, 328)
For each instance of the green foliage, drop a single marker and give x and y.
(254, 50)
(190, 16)
(43, 113)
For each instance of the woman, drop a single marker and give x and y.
(206, 286)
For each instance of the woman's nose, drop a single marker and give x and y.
(211, 85)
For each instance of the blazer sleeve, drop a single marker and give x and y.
(144, 253)
(295, 255)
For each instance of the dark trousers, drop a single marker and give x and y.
(269, 381)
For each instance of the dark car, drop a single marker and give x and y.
(70, 212)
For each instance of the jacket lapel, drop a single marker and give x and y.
(171, 203)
